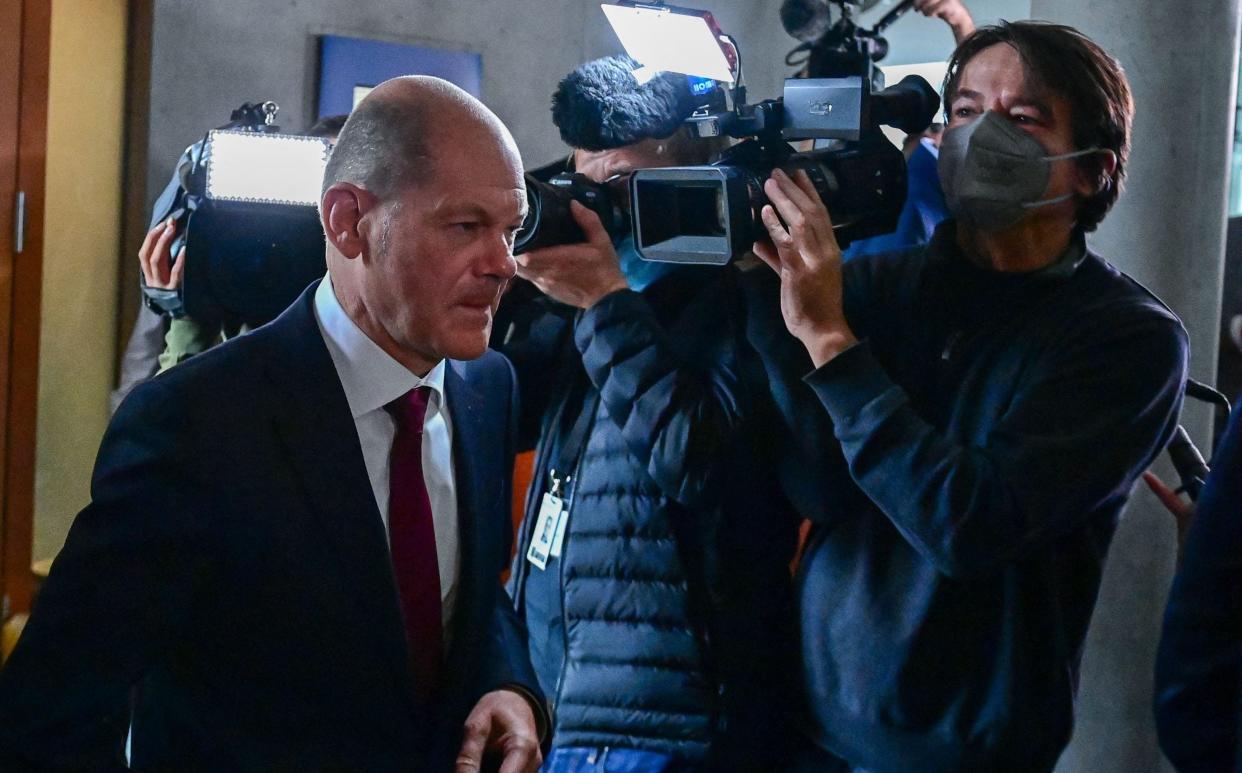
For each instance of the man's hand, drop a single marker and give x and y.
(576, 274)
(808, 260)
(501, 724)
(953, 12)
(1183, 512)
(159, 270)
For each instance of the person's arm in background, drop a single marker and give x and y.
(952, 12)
(186, 338)
(160, 270)
(1199, 661)
(1183, 512)
(141, 358)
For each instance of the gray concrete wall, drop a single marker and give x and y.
(1168, 232)
(210, 57)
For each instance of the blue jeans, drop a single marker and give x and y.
(610, 759)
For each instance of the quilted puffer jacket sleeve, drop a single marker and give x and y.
(680, 405)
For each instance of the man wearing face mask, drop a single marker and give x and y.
(993, 396)
(652, 565)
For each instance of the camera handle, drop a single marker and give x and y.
(255, 117)
(891, 17)
(1187, 461)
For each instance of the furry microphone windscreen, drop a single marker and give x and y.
(601, 105)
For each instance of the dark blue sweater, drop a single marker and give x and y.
(992, 426)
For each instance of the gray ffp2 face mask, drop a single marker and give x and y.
(993, 173)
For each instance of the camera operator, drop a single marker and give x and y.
(663, 627)
(995, 394)
(182, 337)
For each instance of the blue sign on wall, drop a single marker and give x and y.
(350, 66)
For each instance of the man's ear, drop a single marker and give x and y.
(341, 210)
(1105, 168)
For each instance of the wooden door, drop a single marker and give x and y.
(25, 29)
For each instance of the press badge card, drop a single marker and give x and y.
(560, 535)
(551, 512)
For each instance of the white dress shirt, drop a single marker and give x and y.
(372, 379)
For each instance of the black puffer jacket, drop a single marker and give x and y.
(674, 575)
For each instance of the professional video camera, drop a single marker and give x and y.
(710, 214)
(251, 229)
(602, 106)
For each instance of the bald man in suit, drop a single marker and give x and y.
(292, 554)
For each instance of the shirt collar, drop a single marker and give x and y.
(1070, 260)
(370, 376)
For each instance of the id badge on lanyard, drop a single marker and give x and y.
(549, 533)
(548, 536)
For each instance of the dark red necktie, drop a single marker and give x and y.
(412, 539)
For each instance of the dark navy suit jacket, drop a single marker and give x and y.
(1199, 663)
(229, 587)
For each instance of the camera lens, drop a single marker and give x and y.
(549, 221)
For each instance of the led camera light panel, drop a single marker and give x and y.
(665, 40)
(257, 168)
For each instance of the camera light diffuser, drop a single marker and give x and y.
(672, 39)
(258, 168)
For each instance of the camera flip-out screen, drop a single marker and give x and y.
(252, 167)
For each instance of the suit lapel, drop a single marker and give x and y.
(317, 428)
(470, 460)
(474, 469)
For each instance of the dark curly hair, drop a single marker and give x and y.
(1061, 61)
